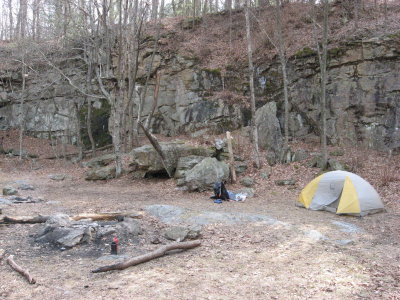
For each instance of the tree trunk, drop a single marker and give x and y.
(323, 66)
(282, 59)
(117, 138)
(251, 79)
(155, 100)
(11, 18)
(22, 113)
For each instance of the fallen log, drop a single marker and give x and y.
(93, 216)
(23, 219)
(107, 216)
(20, 270)
(149, 256)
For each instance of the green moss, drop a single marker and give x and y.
(394, 36)
(215, 72)
(305, 52)
(336, 52)
(99, 124)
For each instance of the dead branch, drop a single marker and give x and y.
(93, 216)
(23, 219)
(149, 256)
(107, 216)
(20, 270)
(153, 140)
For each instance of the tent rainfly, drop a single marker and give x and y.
(341, 192)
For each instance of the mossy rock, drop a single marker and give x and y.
(336, 52)
(215, 72)
(305, 52)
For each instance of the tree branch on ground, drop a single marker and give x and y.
(149, 256)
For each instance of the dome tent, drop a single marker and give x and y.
(341, 192)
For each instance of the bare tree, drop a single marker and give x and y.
(322, 57)
(251, 82)
(282, 58)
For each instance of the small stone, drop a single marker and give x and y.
(315, 235)
(240, 167)
(285, 182)
(26, 187)
(155, 240)
(130, 227)
(344, 242)
(334, 165)
(8, 191)
(264, 175)
(247, 181)
(5, 201)
(176, 233)
(299, 155)
(57, 177)
(220, 144)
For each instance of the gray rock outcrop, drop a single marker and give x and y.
(202, 176)
(269, 129)
(145, 161)
(100, 161)
(104, 173)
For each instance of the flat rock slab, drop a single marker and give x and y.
(174, 215)
(347, 227)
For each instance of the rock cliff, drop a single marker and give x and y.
(363, 96)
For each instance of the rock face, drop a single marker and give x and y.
(269, 130)
(363, 93)
(147, 162)
(363, 97)
(205, 174)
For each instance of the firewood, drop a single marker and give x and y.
(107, 216)
(93, 216)
(20, 270)
(149, 256)
(23, 219)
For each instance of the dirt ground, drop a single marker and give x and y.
(246, 261)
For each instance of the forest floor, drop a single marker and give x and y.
(286, 260)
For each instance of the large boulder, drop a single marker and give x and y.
(100, 161)
(202, 176)
(103, 173)
(146, 161)
(186, 163)
(269, 129)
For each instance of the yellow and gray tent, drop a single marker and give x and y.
(341, 192)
